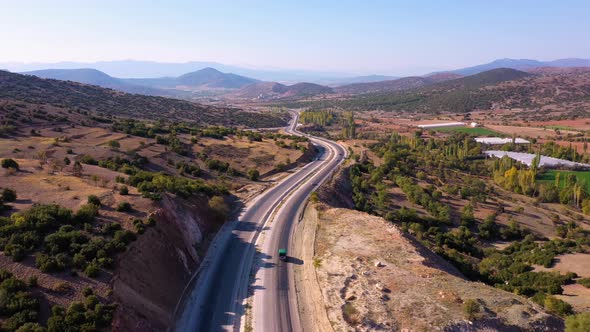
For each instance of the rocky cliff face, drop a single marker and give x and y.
(337, 192)
(152, 273)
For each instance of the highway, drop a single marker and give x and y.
(216, 301)
(275, 300)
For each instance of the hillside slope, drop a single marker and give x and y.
(95, 77)
(206, 78)
(82, 97)
(522, 64)
(410, 288)
(274, 90)
(456, 95)
(215, 79)
(405, 83)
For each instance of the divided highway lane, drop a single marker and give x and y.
(275, 300)
(216, 301)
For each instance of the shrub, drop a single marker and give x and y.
(114, 144)
(123, 190)
(151, 221)
(16, 251)
(111, 228)
(31, 327)
(8, 195)
(122, 238)
(91, 270)
(86, 213)
(124, 207)
(314, 198)
(88, 159)
(87, 291)
(557, 306)
(93, 199)
(253, 174)
(77, 169)
(139, 226)
(46, 263)
(578, 323)
(219, 207)
(584, 282)
(9, 163)
(32, 282)
(91, 301)
(471, 309)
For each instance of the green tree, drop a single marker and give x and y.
(93, 199)
(8, 195)
(77, 169)
(124, 207)
(9, 163)
(471, 309)
(219, 207)
(253, 174)
(114, 144)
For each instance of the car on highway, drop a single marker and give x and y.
(283, 254)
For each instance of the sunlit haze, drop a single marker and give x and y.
(385, 37)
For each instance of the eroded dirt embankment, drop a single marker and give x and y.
(153, 272)
(367, 275)
(374, 277)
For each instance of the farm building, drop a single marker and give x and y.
(499, 140)
(442, 125)
(527, 159)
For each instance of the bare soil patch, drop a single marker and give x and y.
(410, 288)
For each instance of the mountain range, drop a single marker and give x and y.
(98, 101)
(207, 78)
(212, 82)
(96, 77)
(149, 69)
(522, 64)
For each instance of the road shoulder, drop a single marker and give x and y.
(310, 300)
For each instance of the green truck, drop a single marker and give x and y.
(283, 254)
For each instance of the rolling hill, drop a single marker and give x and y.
(109, 103)
(213, 78)
(458, 95)
(274, 90)
(207, 78)
(522, 64)
(405, 83)
(95, 77)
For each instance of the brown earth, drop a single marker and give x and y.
(167, 254)
(412, 288)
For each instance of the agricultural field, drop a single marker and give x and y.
(532, 132)
(550, 176)
(477, 131)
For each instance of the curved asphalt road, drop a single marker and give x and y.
(216, 301)
(275, 300)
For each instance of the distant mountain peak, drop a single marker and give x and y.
(521, 64)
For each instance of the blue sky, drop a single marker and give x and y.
(387, 37)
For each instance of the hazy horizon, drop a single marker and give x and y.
(384, 37)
